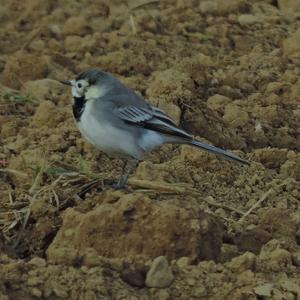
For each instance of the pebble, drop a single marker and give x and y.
(36, 292)
(38, 262)
(264, 290)
(160, 274)
(248, 19)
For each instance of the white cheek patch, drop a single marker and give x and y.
(75, 92)
(95, 92)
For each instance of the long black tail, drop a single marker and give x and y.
(218, 151)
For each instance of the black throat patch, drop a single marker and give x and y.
(78, 107)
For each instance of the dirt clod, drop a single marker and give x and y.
(190, 225)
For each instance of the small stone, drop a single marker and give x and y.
(160, 274)
(264, 290)
(38, 262)
(248, 19)
(36, 292)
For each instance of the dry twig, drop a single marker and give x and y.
(262, 198)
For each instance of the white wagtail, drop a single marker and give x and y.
(119, 122)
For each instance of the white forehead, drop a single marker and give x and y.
(89, 91)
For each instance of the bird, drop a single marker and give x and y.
(119, 122)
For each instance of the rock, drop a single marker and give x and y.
(21, 67)
(173, 231)
(160, 274)
(291, 46)
(248, 19)
(264, 290)
(36, 292)
(38, 262)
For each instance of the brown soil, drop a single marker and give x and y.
(228, 72)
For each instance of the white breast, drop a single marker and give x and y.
(105, 136)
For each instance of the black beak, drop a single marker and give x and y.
(66, 82)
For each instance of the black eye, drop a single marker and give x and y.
(79, 85)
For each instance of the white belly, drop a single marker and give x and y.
(107, 138)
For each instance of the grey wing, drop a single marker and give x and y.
(151, 118)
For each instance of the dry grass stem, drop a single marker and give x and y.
(262, 199)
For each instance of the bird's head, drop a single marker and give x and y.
(90, 84)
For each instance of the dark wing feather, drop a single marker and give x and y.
(151, 118)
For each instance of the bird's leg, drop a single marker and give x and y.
(128, 167)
